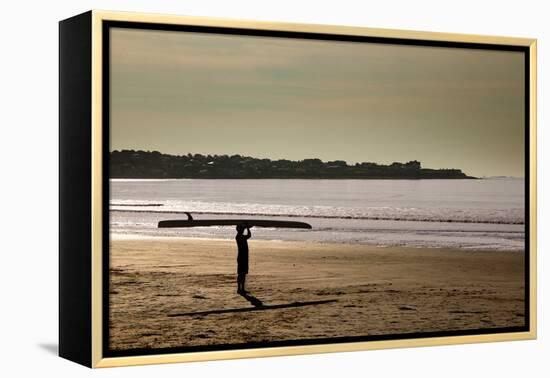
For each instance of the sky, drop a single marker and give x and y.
(280, 98)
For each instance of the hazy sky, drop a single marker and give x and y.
(180, 92)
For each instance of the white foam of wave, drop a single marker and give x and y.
(475, 236)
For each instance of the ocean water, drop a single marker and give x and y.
(486, 214)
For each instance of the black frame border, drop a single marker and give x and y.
(105, 98)
(75, 191)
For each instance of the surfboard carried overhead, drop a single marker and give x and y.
(190, 222)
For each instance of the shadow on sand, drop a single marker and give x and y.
(252, 299)
(258, 306)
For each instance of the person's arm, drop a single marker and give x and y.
(249, 234)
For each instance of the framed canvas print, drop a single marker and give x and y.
(235, 189)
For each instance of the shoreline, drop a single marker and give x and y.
(177, 238)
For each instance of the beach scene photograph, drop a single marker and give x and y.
(268, 191)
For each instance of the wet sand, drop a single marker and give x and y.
(177, 292)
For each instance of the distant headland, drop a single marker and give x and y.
(156, 165)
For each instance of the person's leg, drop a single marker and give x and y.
(244, 280)
(240, 283)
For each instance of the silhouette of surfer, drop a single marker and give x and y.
(242, 255)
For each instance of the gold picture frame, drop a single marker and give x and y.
(82, 231)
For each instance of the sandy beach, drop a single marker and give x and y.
(177, 292)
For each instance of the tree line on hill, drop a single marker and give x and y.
(153, 164)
